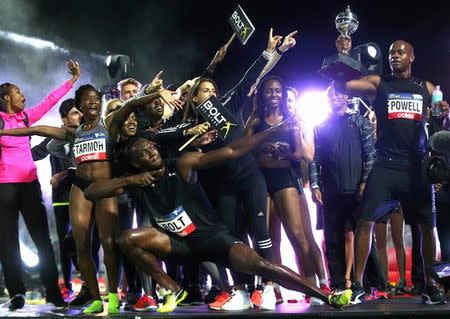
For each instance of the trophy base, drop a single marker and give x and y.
(342, 67)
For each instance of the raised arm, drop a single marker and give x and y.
(59, 133)
(288, 42)
(121, 115)
(366, 86)
(240, 91)
(37, 112)
(218, 57)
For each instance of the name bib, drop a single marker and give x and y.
(405, 106)
(177, 222)
(90, 148)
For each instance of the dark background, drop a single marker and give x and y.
(181, 37)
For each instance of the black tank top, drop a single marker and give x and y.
(177, 206)
(284, 138)
(400, 106)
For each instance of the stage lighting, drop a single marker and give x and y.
(369, 54)
(313, 107)
(118, 66)
(30, 41)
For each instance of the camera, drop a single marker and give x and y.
(438, 170)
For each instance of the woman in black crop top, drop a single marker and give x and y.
(275, 158)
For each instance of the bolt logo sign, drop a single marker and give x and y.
(241, 25)
(218, 116)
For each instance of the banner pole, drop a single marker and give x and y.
(188, 142)
(231, 40)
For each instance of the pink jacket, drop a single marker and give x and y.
(16, 163)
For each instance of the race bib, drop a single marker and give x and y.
(405, 106)
(90, 148)
(177, 222)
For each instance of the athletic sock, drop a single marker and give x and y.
(95, 307)
(113, 303)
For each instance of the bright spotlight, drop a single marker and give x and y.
(108, 60)
(313, 107)
(372, 51)
(369, 54)
(28, 256)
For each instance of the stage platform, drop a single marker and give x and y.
(399, 307)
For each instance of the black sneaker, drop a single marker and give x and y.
(17, 302)
(194, 296)
(358, 294)
(400, 289)
(432, 296)
(130, 300)
(83, 297)
(57, 301)
(211, 296)
(416, 290)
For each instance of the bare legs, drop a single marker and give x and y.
(145, 245)
(295, 218)
(82, 221)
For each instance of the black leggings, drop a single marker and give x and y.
(126, 213)
(26, 198)
(62, 229)
(248, 193)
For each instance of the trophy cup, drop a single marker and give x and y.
(342, 66)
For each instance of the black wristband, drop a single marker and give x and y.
(278, 51)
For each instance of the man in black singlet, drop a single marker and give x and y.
(398, 174)
(186, 227)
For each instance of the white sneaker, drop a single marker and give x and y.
(269, 300)
(240, 300)
(316, 302)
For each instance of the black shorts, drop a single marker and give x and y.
(395, 210)
(205, 244)
(81, 183)
(280, 178)
(386, 187)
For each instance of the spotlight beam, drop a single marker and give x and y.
(34, 42)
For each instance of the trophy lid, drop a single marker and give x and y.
(346, 22)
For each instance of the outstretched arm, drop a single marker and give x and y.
(59, 133)
(237, 148)
(105, 188)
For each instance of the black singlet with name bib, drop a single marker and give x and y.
(401, 106)
(176, 206)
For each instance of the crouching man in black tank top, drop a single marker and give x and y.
(185, 226)
(398, 175)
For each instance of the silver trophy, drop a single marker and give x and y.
(342, 66)
(346, 22)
